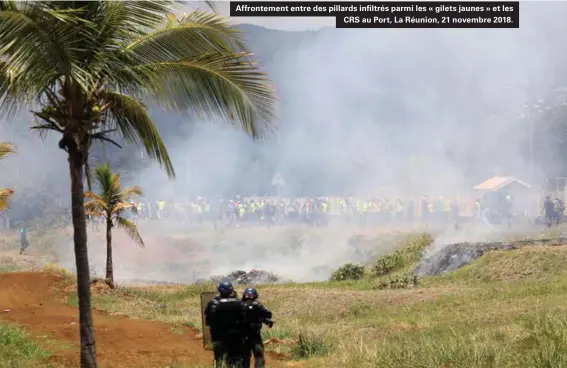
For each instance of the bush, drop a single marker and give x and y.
(401, 282)
(388, 264)
(409, 254)
(348, 271)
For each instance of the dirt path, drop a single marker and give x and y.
(36, 301)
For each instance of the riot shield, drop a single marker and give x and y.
(206, 297)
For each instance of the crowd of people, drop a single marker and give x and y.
(235, 327)
(319, 211)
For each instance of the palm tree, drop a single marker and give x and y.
(88, 65)
(5, 193)
(112, 204)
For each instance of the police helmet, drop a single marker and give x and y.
(250, 294)
(225, 288)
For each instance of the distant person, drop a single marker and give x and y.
(548, 211)
(23, 239)
(255, 315)
(224, 315)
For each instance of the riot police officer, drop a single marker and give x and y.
(225, 318)
(255, 315)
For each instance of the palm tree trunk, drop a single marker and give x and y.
(109, 270)
(88, 354)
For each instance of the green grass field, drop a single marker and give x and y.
(507, 309)
(17, 350)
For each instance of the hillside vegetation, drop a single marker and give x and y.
(17, 350)
(505, 310)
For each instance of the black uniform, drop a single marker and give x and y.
(225, 318)
(256, 314)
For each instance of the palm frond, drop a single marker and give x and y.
(136, 125)
(105, 179)
(121, 207)
(6, 149)
(94, 196)
(144, 15)
(12, 96)
(5, 195)
(95, 205)
(130, 192)
(40, 42)
(211, 5)
(196, 33)
(112, 199)
(213, 83)
(131, 229)
(117, 23)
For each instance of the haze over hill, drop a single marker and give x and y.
(376, 112)
(365, 109)
(407, 111)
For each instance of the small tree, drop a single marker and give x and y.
(6, 193)
(112, 203)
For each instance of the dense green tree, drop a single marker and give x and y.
(84, 68)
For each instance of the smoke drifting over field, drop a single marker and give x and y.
(389, 112)
(377, 113)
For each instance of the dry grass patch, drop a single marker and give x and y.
(170, 304)
(537, 263)
(474, 317)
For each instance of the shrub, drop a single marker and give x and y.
(400, 282)
(348, 271)
(407, 255)
(388, 264)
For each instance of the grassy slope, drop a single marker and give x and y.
(19, 351)
(505, 310)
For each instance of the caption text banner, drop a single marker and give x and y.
(397, 14)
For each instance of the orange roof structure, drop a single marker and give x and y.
(498, 182)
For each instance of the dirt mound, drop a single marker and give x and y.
(240, 277)
(35, 301)
(454, 256)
